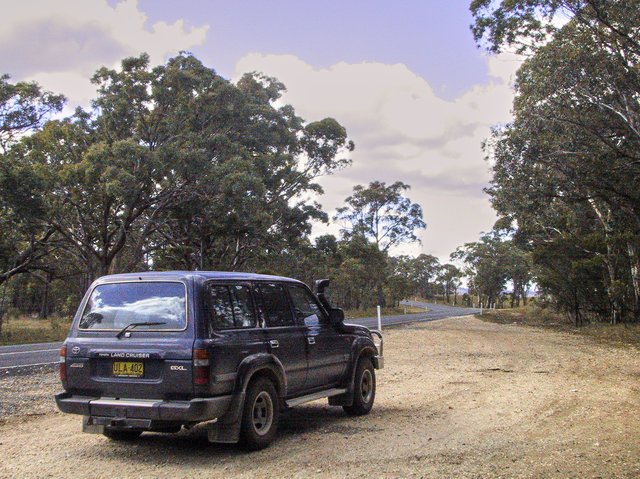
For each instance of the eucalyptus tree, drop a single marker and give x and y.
(249, 195)
(572, 152)
(177, 167)
(111, 172)
(450, 277)
(383, 215)
(423, 270)
(24, 106)
(487, 263)
(25, 237)
(526, 25)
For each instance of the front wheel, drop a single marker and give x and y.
(364, 389)
(260, 415)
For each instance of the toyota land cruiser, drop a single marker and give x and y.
(161, 351)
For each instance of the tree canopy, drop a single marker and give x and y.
(382, 214)
(566, 170)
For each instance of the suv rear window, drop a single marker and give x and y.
(116, 305)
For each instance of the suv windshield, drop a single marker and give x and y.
(117, 305)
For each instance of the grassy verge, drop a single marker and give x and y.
(619, 334)
(372, 312)
(25, 330)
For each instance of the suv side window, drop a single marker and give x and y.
(305, 306)
(230, 307)
(276, 305)
(220, 309)
(243, 312)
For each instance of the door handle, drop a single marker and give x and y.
(274, 343)
(311, 340)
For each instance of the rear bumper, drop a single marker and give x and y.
(195, 410)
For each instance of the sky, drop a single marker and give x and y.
(405, 78)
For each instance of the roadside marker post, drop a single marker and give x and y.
(379, 319)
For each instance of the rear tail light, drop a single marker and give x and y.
(63, 364)
(201, 367)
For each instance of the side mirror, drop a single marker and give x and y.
(336, 315)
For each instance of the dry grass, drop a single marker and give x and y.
(24, 330)
(619, 334)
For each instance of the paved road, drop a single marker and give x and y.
(432, 312)
(22, 358)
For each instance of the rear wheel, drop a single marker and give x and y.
(364, 389)
(260, 415)
(121, 435)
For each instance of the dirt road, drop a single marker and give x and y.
(458, 398)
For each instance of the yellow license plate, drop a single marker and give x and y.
(126, 369)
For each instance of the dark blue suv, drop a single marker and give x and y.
(161, 351)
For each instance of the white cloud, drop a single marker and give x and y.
(404, 131)
(504, 66)
(60, 44)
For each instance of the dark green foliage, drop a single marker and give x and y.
(24, 106)
(567, 169)
(381, 213)
(491, 263)
(177, 168)
(25, 236)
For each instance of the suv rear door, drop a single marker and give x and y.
(232, 330)
(286, 339)
(152, 359)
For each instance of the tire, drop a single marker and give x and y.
(260, 415)
(121, 435)
(364, 389)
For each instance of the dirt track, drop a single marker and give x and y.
(458, 398)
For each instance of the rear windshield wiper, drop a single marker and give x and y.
(135, 325)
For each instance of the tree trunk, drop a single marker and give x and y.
(4, 294)
(380, 295)
(634, 264)
(44, 305)
(604, 215)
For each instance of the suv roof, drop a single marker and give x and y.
(205, 275)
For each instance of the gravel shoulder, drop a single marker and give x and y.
(458, 398)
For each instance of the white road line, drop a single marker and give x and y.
(27, 365)
(31, 351)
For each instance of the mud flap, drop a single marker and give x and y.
(89, 427)
(227, 428)
(345, 399)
